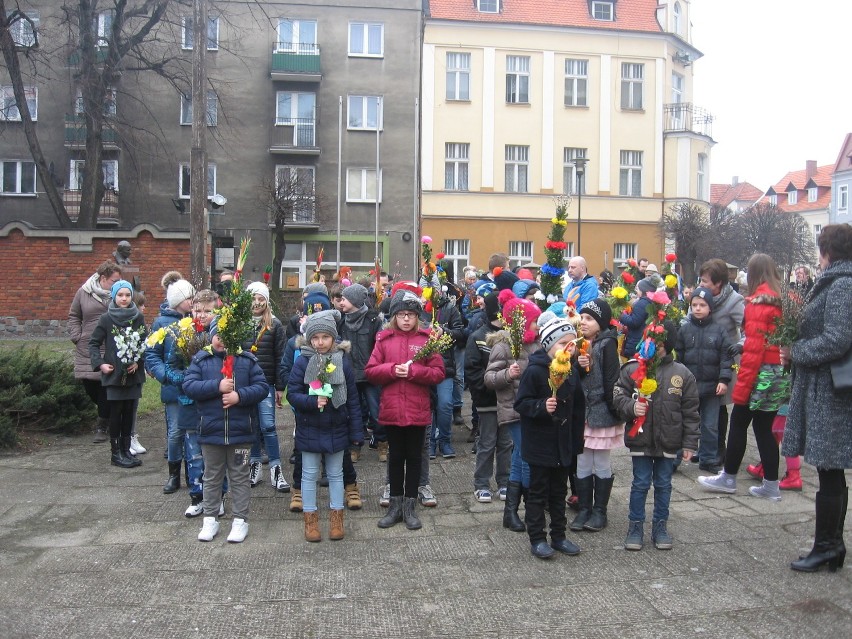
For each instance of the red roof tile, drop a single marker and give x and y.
(725, 194)
(822, 177)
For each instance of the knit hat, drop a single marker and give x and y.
(486, 289)
(315, 287)
(356, 295)
(120, 284)
(553, 331)
(322, 322)
(492, 308)
(645, 285)
(213, 329)
(259, 288)
(405, 301)
(178, 292)
(531, 313)
(406, 286)
(315, 302)
(505, 279)
(600, 310)
(704, 293)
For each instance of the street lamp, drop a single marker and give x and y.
(580, 168)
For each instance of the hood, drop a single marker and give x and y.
(540, 358)
(166, 311)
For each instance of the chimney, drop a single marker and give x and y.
(810, 168)
(735, 180)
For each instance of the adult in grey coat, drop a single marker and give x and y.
(819, 423)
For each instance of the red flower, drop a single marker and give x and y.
(628, 278)
(554, 245)
(661, 314)
(631, 263)
(659, 329)
(439, 256)
(228, 366)
(266, 277)
(671, 257)
(197, 325)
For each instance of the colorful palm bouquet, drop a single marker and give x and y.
(618, 300)
(628, 278)
(129, 347)
(188, 334)
(434, 344)
(233, 319)
(560, 369)
(675, 310)
(321, 387)
(554, 252)
(648, 355)
(515, 326)
(583, 347)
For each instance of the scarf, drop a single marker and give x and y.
(92, 287)
(355, 319)
(122, 316)
(337, 379)
(722, 297)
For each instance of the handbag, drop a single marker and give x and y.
(841, 372)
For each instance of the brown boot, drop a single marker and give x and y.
(383, 451)
(335, 525)
(312, 531)
(355, 454)
(353, 496)
(296, 501)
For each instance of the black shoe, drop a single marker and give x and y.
(474, 433)
(458, 420)
(710, 468)
(541, 550)
(566, 547)
(173, 483)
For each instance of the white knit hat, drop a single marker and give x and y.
(259, 288)
(178, 292)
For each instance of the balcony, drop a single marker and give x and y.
(75, 134)
(100, 57)
(294, 136)
(305, 218)
(107, 216)
(295, 62)
(688, 118)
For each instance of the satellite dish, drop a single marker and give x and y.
(218, 201)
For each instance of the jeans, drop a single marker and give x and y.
(405, 459)
(188, 426)
(349, 475)
(520, 469)
(761, 422)
(235, 459)
(548, 489)
(266, 430)
(370, 396)
(645, 470)
(708, 447)
(458, 382)
(494, 440)
(175, 435)
(311, 473)
(442, 416)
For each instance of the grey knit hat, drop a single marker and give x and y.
(551, 332)
(405, 301)
(322, 322)
(356, 295)
(645, 285)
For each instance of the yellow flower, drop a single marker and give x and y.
(185, 323)
(556, 220)
(330, 368)
(156, 337)
(671, 281)
(648, 387)
(427, 292)
(619, 292)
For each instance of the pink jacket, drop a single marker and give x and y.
(405, 402)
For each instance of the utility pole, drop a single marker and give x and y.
(198, 154)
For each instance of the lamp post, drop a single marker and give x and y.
(580, 168)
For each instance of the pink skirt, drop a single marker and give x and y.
(604, 438)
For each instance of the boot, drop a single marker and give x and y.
(792, 481)
(296, 501)
(101, 430)
(474, 433)
(755, 470)
(312, 531)
(353, 496)
(383, 451)
(603, 488)
(458, 420)
(584, 497)
(394, 514)
(412, 521)
(355, 454)
(828, 541)
(335, 525)
(118, 458)
(125, 450)
(173, 482)
(510, 508)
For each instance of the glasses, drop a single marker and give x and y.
(406, 315)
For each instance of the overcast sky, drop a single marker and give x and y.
(776, 77)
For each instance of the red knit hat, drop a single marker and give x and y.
(531, 313)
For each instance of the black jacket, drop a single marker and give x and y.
(702, 346)
(363, 340)
(448, 317)
(476, 355)
(268, 349)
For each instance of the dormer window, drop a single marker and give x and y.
(488, 6)
(603, 11)
(792, 197)
(773, 199)
(812, 194)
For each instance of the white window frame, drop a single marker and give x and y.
(632, 86)
(184, 177)
(569, 171)
(22, 32)
(602, 10)
(280, 169)
(517, 168)
(842, 197)
(676, 21)
(773, 200)
(457, 166)
(817, 231)
(792, 197)
(109, 169)
(520, 252)
(630, 173)
(366, 28)
(212, 109)
(623, 251)
(19, 188)
(360, 179)
(103, 28)
(458, 253)
(297, 43)
(458, 76)
(9, 111)
(187, 33)
(701, 177)
(517, 79)
(364, 102)
(576, 77)
(813, 194)
(568, 252)
(488, 6)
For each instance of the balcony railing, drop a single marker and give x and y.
(295, 61)
(296, 136)
(108, 213)
(304, 217)
(685, 116)
(75, 133)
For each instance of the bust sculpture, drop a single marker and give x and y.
(122, 253)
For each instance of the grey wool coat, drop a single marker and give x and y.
(819, 423)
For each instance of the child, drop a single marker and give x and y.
(325, 426)
(604, 427)
(549, 422)
(636, 319)
(404, 409)
(123, 381)
(671, 424)
(703, 347)
(226, 406)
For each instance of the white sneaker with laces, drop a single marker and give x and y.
(195, 509)
(135, 447)
(209, 529)
(483, 495)
(768, 490)
(278, 479)
(239, 530)
(255, 473)
(721, 483)
(427, 497)
(502, 493)
(384, 498)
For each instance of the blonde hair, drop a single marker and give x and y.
(761, 269)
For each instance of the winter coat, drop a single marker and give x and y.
(758, 320)
(497, 377)
(584, 291)
(819, 421)
(83, 316)
(448, 317)
(103, 337)
(225, 426)
(363, 340)
(285, 365)
(672, 422)
(332, 429)
(404, 402)
(268, 350)
(635, 322)
(158, 355)
(549, 440)
(703, 346)
(476, 356)
(599, 382)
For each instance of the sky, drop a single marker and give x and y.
(776, 77)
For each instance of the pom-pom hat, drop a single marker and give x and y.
(178, 292)
(531, 313)
(553, 331)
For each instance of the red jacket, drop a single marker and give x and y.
(404, 402)
(761, 309)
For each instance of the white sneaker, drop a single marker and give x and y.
(427, 497)
(278, 479)
(768, 490)
(239, 530)
(483, 495)
(209, 529)
(195, 509)
(721, 483)
(384, 498)
(255, 473)
(135, 447)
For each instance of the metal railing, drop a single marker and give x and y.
(685, 116)
(108, 213)
(294, 133)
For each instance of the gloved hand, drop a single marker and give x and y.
(174, 376)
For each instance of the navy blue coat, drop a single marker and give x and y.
(635, 322)
(158, 355)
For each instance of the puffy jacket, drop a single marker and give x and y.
(102, 339)
(635, 322)
(583, 291)
(672, 421)
(761, 309)
(83, 316)
(158, 355)
(404, 402)
(497, 377)
(549, 440)
(332, 429)
(702, 346)
(363, 340)
(599, 382)
(475, 362)
(218, 425)
(285, 365)
(268, 350)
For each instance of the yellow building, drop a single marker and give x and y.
(514, 92)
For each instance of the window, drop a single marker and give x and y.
(773, 200)
(520, 253)
(812, 194)
(700, 187)
(109, 169)
(295, 187)
(365, 112)
(568, 253)
(817, 231)
(458, 253)
(676, 18)
(517, 165)
(623, 252)
(212, 108)
(366, 39)
(458, 76)
(299, 36)
(19, 176)
(361, 185)
(488, 6)
(456, 166)
(630, 177)
(569, 171)
(184, 180)
(298, 111)
(842, 197)
(603, 11)
(23, 32)
(188, 33)
(576, 81)
(9, 106)
(631, 85)
(517, 79)
(792, 197)
(109, 102)
(103, 28)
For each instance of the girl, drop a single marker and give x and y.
(325, 426)
(604, 430)
(405, 407)
(123, 381)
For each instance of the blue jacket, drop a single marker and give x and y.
(585, 290)
(158, 355)
(635, 322)
(225, 426)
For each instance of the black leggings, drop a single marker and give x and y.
(97, 393)
(121, 414)
(761, 422)
(405, 447)
(832, 482)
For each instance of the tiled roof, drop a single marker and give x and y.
(844, 158)
(630, 15)
(724, 194)
(822, 178)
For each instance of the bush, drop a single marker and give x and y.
(39, 393)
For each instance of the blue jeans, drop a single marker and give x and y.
(188, 427)
(310, 475)
(266, 430)
(442, 416)
(370, 397)
(520, 470)
(174, 435)
(645, 470)
(458, 385)
(708, 448)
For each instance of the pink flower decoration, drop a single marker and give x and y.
(659, 297)
(426, 239)
(316, 384)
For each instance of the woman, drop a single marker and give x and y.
(818, 423)
(90, 302)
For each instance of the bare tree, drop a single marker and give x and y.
(783, 235)
(688, 225)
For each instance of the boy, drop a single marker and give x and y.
(703, 347)
(671, 423)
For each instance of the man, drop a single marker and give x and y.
(804, 282)
(226, 281)
(122, 253)
(643, 264)
(583, 286)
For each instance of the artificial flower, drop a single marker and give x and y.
(671, 281)
(619, 292)
(671, 257)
